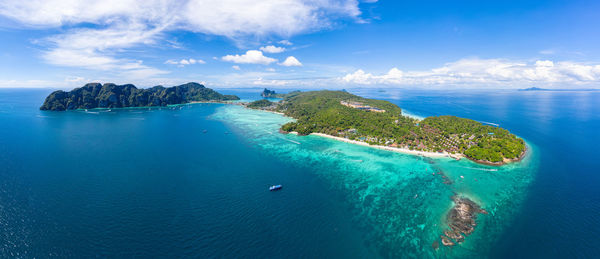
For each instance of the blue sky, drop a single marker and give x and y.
(292, 43)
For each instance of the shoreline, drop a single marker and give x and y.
(404, 150)
(356, 142)
(393, 149)
(420, 153)
(143, 107)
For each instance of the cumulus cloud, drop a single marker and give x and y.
(272, 49)
(119, 25)
(184, 62)
(251, 57)
(291, 61)
(485, 72)
(236, 67)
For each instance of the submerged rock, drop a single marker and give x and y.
(446, 241)
(435, 245)
(461, 220)
(456, 236)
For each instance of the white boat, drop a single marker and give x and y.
(275, 187)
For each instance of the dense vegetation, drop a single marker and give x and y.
(263, 103)
(95, 95)
(325, 112)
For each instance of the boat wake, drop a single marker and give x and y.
(481, 169)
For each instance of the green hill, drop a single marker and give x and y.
(380, 122)
(95, 95)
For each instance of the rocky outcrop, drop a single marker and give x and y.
(268, 93)
(461, 220)
(95, 95)
(272, 94)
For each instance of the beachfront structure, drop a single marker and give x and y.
(360, 106)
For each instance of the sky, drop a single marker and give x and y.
(301, 43)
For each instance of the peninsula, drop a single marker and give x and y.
(352, 118)
(95, 95)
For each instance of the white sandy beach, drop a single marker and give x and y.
(394, 149)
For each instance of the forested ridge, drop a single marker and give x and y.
(95, 95)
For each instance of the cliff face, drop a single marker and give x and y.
(268, 93)
(95, 95)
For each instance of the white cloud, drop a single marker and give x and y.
(120, 25)
(184, 62)
(291, 61)
(251, 57)
(270, 69)
(272, 49)
(261, 81)
(26, 83)
(236, 67)
(75, 79)
(285, 42)
(219, 17)
(96, 48)
(485, 72)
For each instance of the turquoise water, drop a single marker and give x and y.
(399, 201)
(193, 180)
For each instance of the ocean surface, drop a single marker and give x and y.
(192, 181)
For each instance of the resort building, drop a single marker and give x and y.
(360, 106)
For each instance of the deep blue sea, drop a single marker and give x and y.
(192, 181)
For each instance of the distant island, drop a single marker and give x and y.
(558, 90)
(533, 89)
(272, 94)
(96, 95)
(268, 93)
(355, 119)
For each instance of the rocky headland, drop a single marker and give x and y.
(96, 95)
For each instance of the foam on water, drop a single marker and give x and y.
(399, 201)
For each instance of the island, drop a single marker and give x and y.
(558, 89)
(533, 89)
(272, 94)
(351, 118)
(268, 93)
(96, 95)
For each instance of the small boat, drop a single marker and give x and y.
(275, 187)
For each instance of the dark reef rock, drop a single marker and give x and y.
(461, 220)
(95, 95)
(446, 241)
(435, 245)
